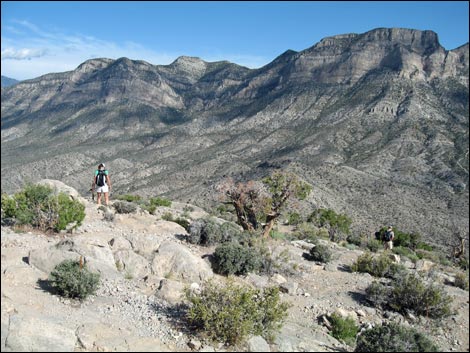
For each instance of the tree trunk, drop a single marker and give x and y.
(246, 225)
(270, 221)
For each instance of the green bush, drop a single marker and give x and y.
(306, 231)
(129, 198)
(320, 253)
(8, 206)
(379, 266)
(294, 218)
(157, 201)
(462, 262)
(336, 223)
(354, 239)
(344, 329)
(378, 294)
(461, 280)
(69, 211)
(410, 293)
(274, 234)
(406, 252)
(182, 222)
(231, 313)
(233, 258)
(424, 246)
(72, 281)
(374, 245)
(208, 232)
(124, 207)
(37, 206)
(392, 337)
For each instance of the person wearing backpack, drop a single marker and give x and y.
(389, 235)
(101, 184)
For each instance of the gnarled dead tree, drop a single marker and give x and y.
(259, 204)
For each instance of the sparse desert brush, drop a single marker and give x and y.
(229, 314)
(72, 279)
(393, 337)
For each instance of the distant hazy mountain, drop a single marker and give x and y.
(6, 81)
(376, 122)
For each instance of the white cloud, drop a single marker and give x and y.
(22, 54)
(39, 52)
(29, 51)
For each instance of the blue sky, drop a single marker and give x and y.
(39, 37)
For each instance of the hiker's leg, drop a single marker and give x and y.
(106, 198)
(99, 199)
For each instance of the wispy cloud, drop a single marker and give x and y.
(22, 54)
(29, 51)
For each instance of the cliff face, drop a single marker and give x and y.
(377, 122)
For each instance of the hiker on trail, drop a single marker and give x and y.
(389, 235)
(101, 184)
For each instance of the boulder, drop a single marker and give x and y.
(58, 187)
(131, 264)
(96, 253)
(177, 261)
(31, 334)
(170, 291)
(258, 344)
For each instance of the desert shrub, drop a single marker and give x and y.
(462, 262)
(344, 329)
(69, 211)
(354, 239)
(39, 207)
(158, 201)
(434, 256)
(374, 245)
(393, 337)
(182, 222)
(168, 216)
(406, 252)
(378, 294)
(124, 207)
(8, 206)
(424, 246)
(207, 232)
(129, 198)
(410, 293)
(233, 258)
(337, 224)
(461, 280)
(72, 280)
(274, 234)
(306, 231)
(379, 266)
(229, 314)
(294, 218)
(320, 253)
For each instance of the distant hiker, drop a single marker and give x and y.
(101, 184)
(389, 235)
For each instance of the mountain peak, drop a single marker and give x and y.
(93, 64)
(189, 66)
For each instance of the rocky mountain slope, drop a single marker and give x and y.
(135, 307)
(7, 81)
(376, 122)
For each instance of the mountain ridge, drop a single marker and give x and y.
(368, 119)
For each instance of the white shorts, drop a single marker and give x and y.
(102, 188)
